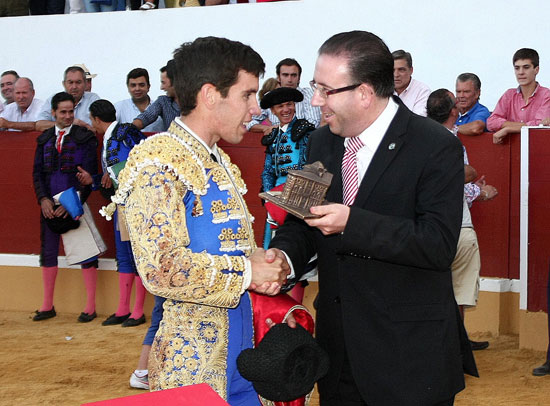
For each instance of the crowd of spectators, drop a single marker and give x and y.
(14, 8)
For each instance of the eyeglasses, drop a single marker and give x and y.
(324, 92)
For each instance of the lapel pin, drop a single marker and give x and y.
(391, 146)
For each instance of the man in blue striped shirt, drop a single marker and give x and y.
(165, 107)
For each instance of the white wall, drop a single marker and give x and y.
(445, 38)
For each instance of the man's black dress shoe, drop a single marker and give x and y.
(479, 345)
(114, 319)
(85, 317)
(48, 314)
(130, 322)
(544, 369)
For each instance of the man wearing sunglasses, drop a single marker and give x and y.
(386, 313)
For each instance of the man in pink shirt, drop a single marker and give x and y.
(528, 104)
(412, 92)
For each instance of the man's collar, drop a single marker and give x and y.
(467, 112)
(213, 150)
(373, 134)
(518, 90)
(110, 129)
(66, 129)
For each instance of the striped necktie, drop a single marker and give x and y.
(350, 177)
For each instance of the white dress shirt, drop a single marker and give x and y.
(13, 113)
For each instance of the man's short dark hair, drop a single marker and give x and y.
(369, 59)
(10, 72)
(74, 69)
(217, 61)
(104, 110)
(137, 73)
(464, 77)
(400, 54)
(61, 97)
(527, 53)
(439, 105)
(288, 62)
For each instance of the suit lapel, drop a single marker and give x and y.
(387, 150)
(333, 164)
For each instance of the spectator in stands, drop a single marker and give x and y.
(95, 6)
(43, 7)
(14, 8)
(137, 82)
(165, 107)
(442, 107)
(268, 85)
(7, 83)
(74, 82)
(472, 116)
(76, 6)
(89, 76)
(147, 5)
(413, 93)
(60, 148)
(528, 104)
(22, 115)
(289, 72)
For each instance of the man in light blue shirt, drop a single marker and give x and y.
(74, 82)
(127, 110)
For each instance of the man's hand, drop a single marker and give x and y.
(498, 137)
(269, 271)
(334, 218)
(84, 176)
(60, 212)
(83, 124)
(290, 320)
(3, 123)
(106, 181)
(47, 208)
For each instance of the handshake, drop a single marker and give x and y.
(270, 270)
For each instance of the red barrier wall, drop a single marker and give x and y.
(20, 211)
(496, 222)
(539, 218)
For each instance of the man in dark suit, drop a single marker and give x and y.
(386, 312)
(60, 150)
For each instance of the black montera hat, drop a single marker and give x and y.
(61, 225)
(281, 95)
(285, 365)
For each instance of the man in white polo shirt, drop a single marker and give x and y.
(127, 110)
(21, 115)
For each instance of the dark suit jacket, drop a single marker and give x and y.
(385, 293)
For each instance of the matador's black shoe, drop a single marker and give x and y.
(48, 314)
(86, 317)
(544, 369)
(114, 319)
(131, 322)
